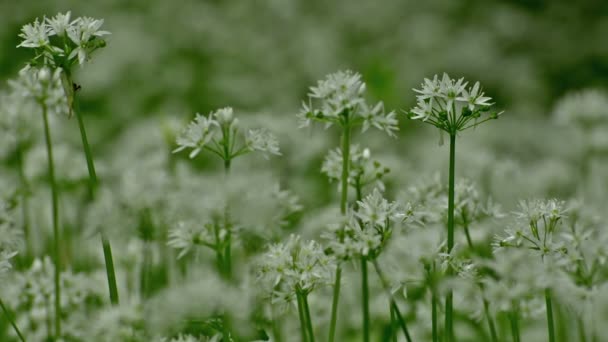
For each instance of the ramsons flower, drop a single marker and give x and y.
(450, 105)
(78, 39)
(338, 99)
(364, 170)
(294, 266)
(42, 85)
(219, 134)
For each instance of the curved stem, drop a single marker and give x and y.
(343, 207)
(550, 324)
(449, 329)
(93, 183)
(11, 321)
(55, 219)
(365, 298)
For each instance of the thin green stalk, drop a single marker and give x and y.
(394, 336)
(550, 324)
(514, 326)
(110, 273)
(311, 334)
(343, 206)
(365, 298)
(276, 326)
(93, 182)
(301, 315)
(55, 214)
(434, 316)
(11, 321)
(492, 327)
(449, 329)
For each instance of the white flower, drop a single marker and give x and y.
(449, 105)
(363, 169)
(225, 117)
(377, 211)
(262, 140)
(34, 35)
(42, 85)
(186, 236)
(339, 99)
(59, 24)
(197, 134)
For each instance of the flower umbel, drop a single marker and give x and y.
(450, 106)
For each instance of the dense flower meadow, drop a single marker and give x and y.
(341, 219)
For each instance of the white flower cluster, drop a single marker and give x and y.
(31, 295)
(42, 85)
(341, 102)
(218, 133)
(363, 169)
(61, 41)
(292, 267)
(431, 198)
(450, 106)
(366, 232)
(187, 235)
(537, 222)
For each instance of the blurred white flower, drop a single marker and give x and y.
(262, 140)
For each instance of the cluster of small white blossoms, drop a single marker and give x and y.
(536, 227)
(42, 85)
(293, 267)
(450, 106)
(218, 133)
(61, 42)
(469, 206)
(430, 197)
(366, 231)
(363, 169)
(341, 102)
(187, 235)
(30, 295)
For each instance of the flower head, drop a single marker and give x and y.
(450, 106)
(339, 100)
(364, 170)
(42, 85)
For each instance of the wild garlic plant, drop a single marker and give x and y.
(220, 134)
(291, 271)
(339, 100)
(452, 107)
(60, 43)
(536, 229)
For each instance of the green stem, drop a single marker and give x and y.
(55, 214)
(486, 308)
(365, 299)
(311, 334)
(343, 206)
(434, 316)
(550, 324)
(11, 321)
(93, 183)
(449, 329)
(514, 326)
(581, 330)
(110, 273)
(301, 314)
(393, 322)
(276, 326)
